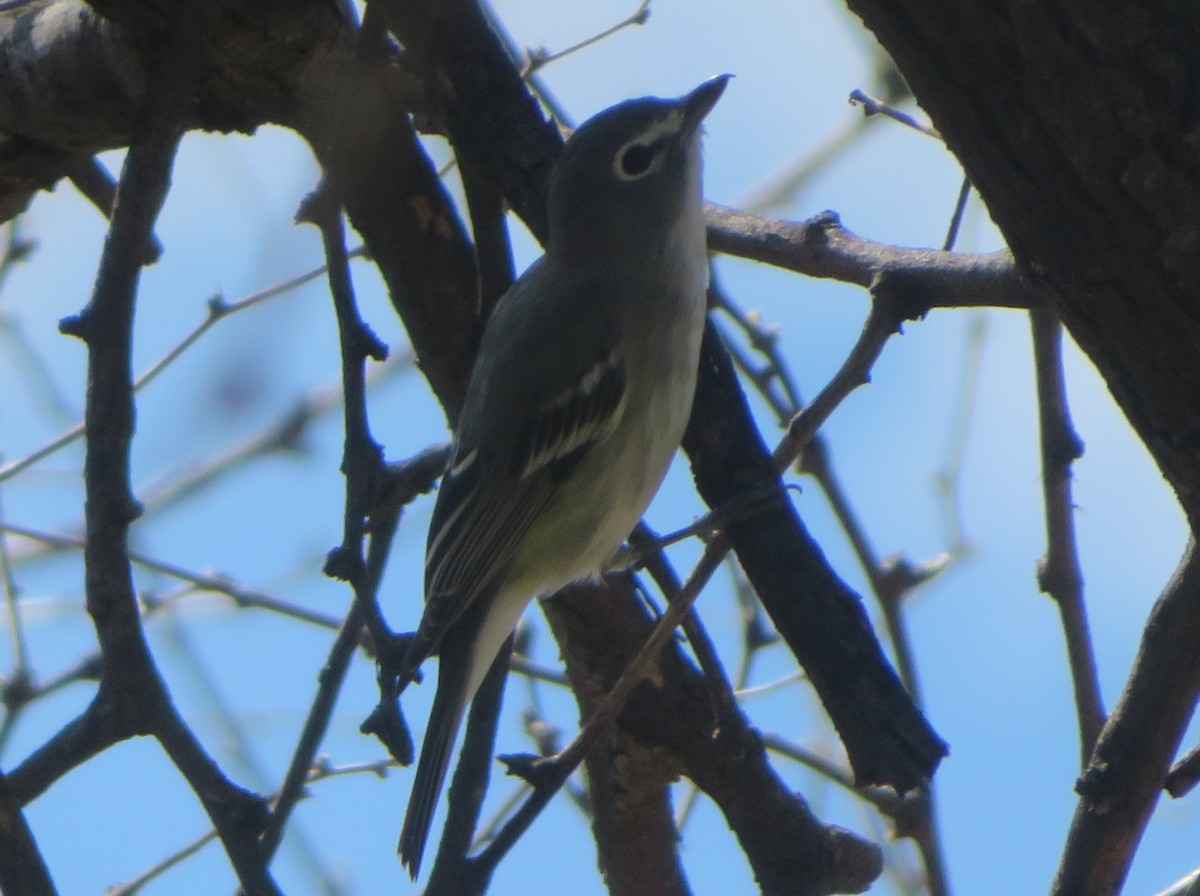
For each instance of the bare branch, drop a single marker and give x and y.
(821, 247)
(1058, 572)
(946, 479)
(333, 675)
(130, 687)
(217, 584)
(218, 309)
(1126, 299)
(872, 106)
(22, 868)
(1184, 775)
(1129, 766)
(542, 57)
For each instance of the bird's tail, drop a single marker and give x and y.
(449, 706)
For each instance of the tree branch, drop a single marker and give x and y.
(22, 868)
(1128, 768)
(887, 739)
(1058, 116)
(1058, 572)
(672, 709)
(352, 112)
(822, 247)
(131, 689)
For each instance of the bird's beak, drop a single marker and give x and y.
(698, 103)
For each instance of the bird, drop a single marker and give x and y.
(576, 405)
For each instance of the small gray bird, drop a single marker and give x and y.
(577, 403)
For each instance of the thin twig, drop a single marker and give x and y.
(1059, 572)
(946, 479)
(960, 208)
(881, 798)
(755, 636)
(135, 885)
(770, 687)
(332, 677)
(720, 692)
(8, 582)
(1188, 885)
(319, 771)
(873, 106)
(533, 80)
(537, 59)
(882, 322)
(218, 310)
(362, 465)
(41, 377)
(242, 596)
(785, 187)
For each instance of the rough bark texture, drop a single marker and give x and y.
(790, 851)
(1080, 126)
(627, 781)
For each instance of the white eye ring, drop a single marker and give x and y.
(635, 160)
(653, 140)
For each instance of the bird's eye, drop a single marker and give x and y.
(635, 160)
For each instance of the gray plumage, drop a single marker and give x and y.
(577, 403)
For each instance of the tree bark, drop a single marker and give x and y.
(1080, 126)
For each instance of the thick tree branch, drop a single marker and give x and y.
(73, 92)
(352, 112)
(476, 94)
(789, 850)
(886, 737)
(1079, 132)
(73, 80)
(22, 868)
(84, 737)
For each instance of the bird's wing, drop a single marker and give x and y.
(489, 500)
(561, 429)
